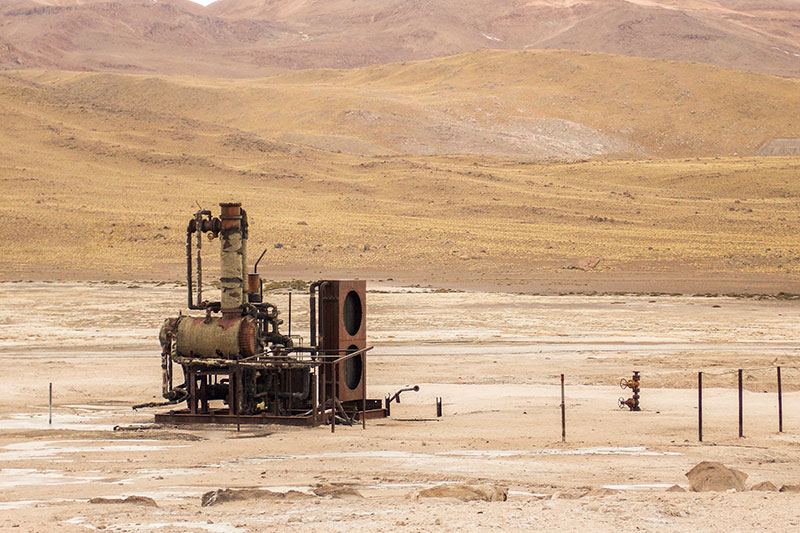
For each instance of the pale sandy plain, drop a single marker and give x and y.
(495, 358)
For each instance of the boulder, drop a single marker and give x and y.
(712, 476)
(488, 493)
(135, 500)
(790, 488)
(676, 488)
(337, 491)
(766, 486)
(233, 495)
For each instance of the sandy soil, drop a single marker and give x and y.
(495, 358)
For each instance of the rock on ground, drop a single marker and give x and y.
(766, 486)
(135, 500)
(712, 476)
(336, 491)
(489, 493)
(232, 495)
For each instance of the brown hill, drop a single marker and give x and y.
(527, 105)
(252, 37)
(99, 170)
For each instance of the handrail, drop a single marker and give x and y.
(351, 355)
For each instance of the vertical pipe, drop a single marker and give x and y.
(563, 413)
(240, 394)
(315, 397)
(245, 232)
(323, 389)
(50, 406)
(780, 403)
(312, 315)
(232, 249)
(363, 390)
(193, 393)
(189, 265)
(333, 395)
(741, 410)
(290, 313)
(321, 318)
(199, 264)
(700, 406)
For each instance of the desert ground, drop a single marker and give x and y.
(495, 359)
(531, 188)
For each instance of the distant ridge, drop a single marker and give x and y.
(247, 38)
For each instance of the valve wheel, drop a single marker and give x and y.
(623, 383)
(622, 404)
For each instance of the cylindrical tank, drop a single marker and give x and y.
(232, 258)
(254, 287)
(223, 337)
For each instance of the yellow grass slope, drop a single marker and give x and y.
(99, 173)
(514, 103)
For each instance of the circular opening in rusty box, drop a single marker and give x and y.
(351, 312)
(352, 369)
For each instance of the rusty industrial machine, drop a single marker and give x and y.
(236, 365)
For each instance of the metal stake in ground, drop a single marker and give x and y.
(780, 403)
(700, 406)
(50, 406)
(741, 411)
(563, 413)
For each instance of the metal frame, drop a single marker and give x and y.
(199, 372)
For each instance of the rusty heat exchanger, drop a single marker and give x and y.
(237, 366)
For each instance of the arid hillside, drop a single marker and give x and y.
(526, 105)
(99, 172)
(245, 38)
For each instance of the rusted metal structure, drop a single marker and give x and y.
(237, 366)
(631, 403)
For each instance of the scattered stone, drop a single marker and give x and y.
(278, 245)
(365, 248)
(713, 476)
(676, 488)
(302, 223)
(585, 264)
(337, 491)
(790, 488)
(135, 500)
(233, 495)
(488, 493)
(766, 486)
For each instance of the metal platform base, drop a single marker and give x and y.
(223, 416)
